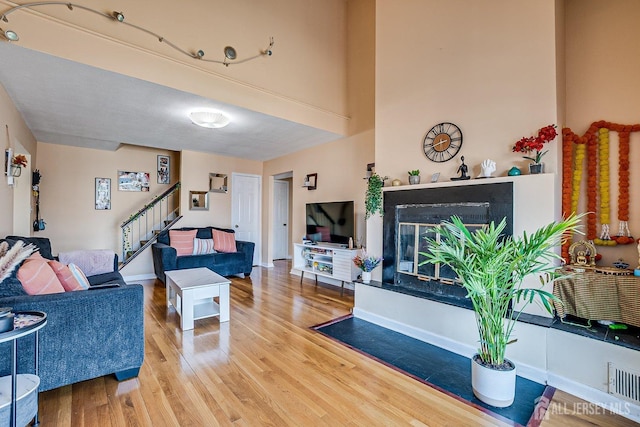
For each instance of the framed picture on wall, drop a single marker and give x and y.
(133, 181)
(103, 194)
(164, 171)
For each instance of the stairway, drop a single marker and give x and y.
(141, 229)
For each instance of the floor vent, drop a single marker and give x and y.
(624, 383)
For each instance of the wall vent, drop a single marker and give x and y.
(624, 383)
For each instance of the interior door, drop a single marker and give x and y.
(246, 210)
(280, 219)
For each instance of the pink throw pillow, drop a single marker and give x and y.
(38, 278)
(182, 241)
(223, 241)
(68, 281)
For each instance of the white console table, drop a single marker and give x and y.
(326, 260)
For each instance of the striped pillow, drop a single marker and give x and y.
(68, 281)
(38, 278)
(203, 246)
(79, 275)
(224, 241)
(182, 241)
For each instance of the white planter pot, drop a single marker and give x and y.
(366, 276)
(496, 388)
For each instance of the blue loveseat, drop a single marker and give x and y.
(165, 257)
(88, 334)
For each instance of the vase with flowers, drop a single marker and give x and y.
(18, 162)
(366, 263)
(536, 144)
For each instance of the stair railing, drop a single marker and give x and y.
(142, 227)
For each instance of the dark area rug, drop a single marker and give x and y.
(441, 369)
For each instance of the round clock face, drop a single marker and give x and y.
(442, 142)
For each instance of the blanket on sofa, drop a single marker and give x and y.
(98, 261)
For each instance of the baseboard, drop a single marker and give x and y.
(131, 279)
(597, 399)
(524, 370)
(267, 265)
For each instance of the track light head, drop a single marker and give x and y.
(12, 36)
(118, 16)
(230, 53)
(4, 18)
(199, 54)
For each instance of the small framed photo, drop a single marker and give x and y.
(133, 181)
(164, 171)
(435, 176)
(103, 194)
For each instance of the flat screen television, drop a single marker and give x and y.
(330, 222)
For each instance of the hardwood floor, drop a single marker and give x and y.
(265, 367)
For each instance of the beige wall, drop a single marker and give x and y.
(602, 72)
(341, 166)
(489, 67)
(17, 136)
(68, 186)
(195, 177)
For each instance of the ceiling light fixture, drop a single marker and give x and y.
(209, 119)
(230, 53)
(118, 16)
(12, 36)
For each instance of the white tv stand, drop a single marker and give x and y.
(326, 260)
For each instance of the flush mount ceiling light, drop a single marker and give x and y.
(209, 119)
(230, 53)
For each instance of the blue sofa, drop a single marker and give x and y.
(88, 333)
(165, 257)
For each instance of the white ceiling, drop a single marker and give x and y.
(64, 102)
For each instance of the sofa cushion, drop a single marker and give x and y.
(79, 275)
(11, 286)
(42, 243)
(203, 246)
(67, 279)
(224, 241)
(182, 241)
(38, 278)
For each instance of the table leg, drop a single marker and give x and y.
(186, 315)
(168, 291)
(14, 382)
(36, 420)
(224, 302)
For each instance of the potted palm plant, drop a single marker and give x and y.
(492, 267)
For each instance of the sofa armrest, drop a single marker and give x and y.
(164, 259)
(247, 248)
(88, 334)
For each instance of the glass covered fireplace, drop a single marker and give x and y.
(410, 217)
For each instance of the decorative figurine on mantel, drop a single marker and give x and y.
(488, 167)
(462, 170)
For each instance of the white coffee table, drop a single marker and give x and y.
(191, 292)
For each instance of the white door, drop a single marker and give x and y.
(246, 209)
(280, 219)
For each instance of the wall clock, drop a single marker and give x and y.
(442, 142)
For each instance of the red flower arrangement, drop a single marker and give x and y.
(19, 160)
(536, 143)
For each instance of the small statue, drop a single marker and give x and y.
(581, 259)
(488, 168)
(462, 170)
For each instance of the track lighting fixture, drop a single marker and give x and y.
(118, 16)
(12, 36)
(230, 53)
